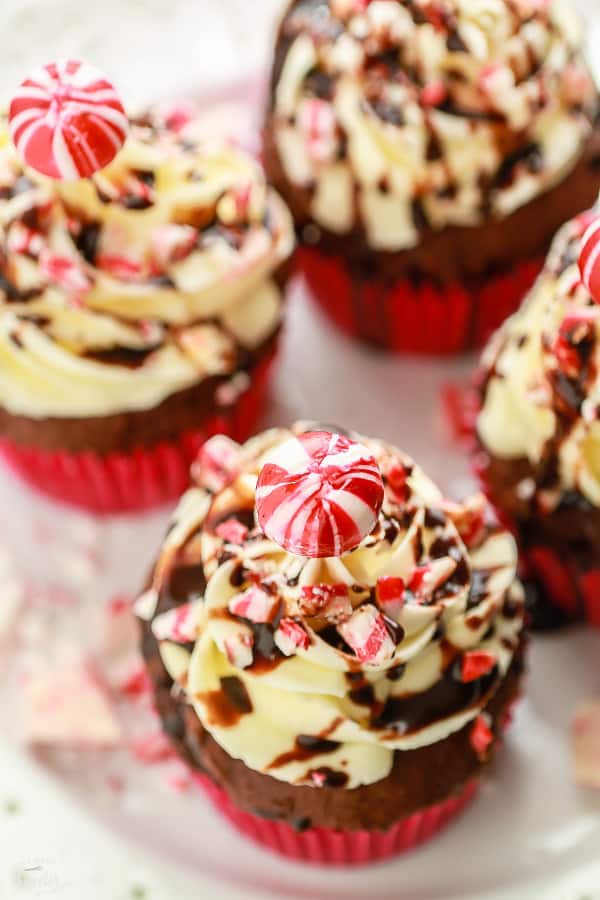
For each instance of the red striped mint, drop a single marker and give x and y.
(319, 495)
(589, 259)
(317, 121)
(67, 121)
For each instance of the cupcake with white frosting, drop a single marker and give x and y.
(538, 427)
(429, 150)
(139, 313)
(334, 646)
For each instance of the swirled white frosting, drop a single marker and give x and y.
(120, 290)
(541, 375)
(395, 114)
(407, 694)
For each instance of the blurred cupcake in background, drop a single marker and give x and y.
(139, 312)
(539, 429)
(429, 150)
(335, 648)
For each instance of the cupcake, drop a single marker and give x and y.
(538, 428)
(334, 647)
(429, 150)
(140, 310)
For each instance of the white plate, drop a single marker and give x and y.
(531, 833)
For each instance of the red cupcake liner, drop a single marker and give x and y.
(330, 847)
(415, 317)
(142, 479)
(563, 582)
(575, 592)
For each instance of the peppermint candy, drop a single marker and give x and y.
(390, 595)
(64, 272)
(367, 635)
(217, 464)
(255, 604)
(178, 625)
(291, 636)
(476, 664)
(319, 495)
(589, 258)
(232, 531)
(331, 601)
(481, 736)
(426, 579)
(67, 121)
(239, 649)
(576, 328)
(317, 121)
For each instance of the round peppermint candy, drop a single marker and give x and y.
(319, 495)
(67, 121)
(589, 258)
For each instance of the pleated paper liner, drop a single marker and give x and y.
(562, 581)
(415, 317)
(145, 478)
(329, 847)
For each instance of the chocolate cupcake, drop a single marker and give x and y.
(538, 426)
(429, 150)
(334, 646)
(140, 310)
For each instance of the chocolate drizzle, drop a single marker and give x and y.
(306, 747)
(226, 706)
(449, 696)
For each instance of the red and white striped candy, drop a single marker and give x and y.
(67, 121)
(178, 624)
(238, 649)
(232, 531)
(426, 579)
(366, 633)
(319, 495)
(331, 601)
(291, 636)
(255, 604)
(589, 259)
(318, 123)
(390, 595)
(217, 464)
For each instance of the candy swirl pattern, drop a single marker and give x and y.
(154, 274)
(540, 378)
(316, 671)
(399, 116)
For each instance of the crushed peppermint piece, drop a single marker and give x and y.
(291, 636)
(255, 604)
(328, 600)
(481, 736)
(390, 595)
(178, 625)
(238, 649)
(217, 464)
(367, 635)
(427, 579)
(232, 531)
(476, 664)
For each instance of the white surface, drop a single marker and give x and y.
(530, 830)
(63, 834)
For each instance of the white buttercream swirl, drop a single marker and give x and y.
(312, 689)
(123, 289)
(380, 108)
